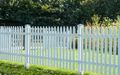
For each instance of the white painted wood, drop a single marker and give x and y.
(93, 48)
(16, 45)
(68, 53)
(82, 49)
(46, 45)
(33, 42)
(27, 45)
(51, 49)
(110, 49)
(13, 44)
(6, 38)
(101, 50)
(64, 49)
(9, 42)
(41, 48)
(51, 44)
(49, 63)
(89, 50)
(21, 43)
(35, 45)
(80, 27)
(69, 31)
(119, 51)
(74, 49)
(115, 32)
(55, 44)
(1, 38)
(57, 38)
(86, 49)
(38, 45)
(106, 49)
(44, 40)
(97, 49)
(61, 62)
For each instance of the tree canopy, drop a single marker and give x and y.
(58, 12)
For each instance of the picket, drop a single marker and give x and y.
(115, 31)
(98, 47)
(110, 50)
(119, 51)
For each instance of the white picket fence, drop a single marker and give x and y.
(85, 49)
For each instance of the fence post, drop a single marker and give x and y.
(119, 51)
(1, 28)
(2, 43)
(27, 45)
(79, 32)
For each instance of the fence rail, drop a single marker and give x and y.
(95, 49)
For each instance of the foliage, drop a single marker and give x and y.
(106, 21)
(95, 20)
(59, 12)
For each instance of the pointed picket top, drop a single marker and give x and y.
(55, 30)
(61, 30)
(70, 30)
(74, 30)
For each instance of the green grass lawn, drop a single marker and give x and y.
(8, 68)
(70, 57)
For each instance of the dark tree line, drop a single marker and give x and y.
(57, 12)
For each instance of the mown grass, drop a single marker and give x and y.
(8, 68)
